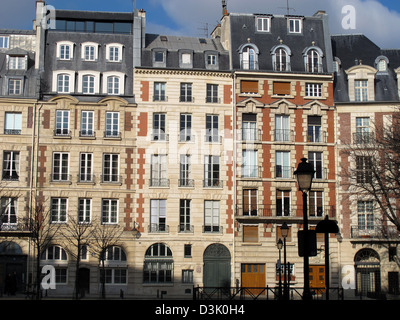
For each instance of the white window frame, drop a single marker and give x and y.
(58, 169)
(93, 56)
(86, 167)
(58, 206)
(314, 90)
(84, 210)
(121, 82)
(95, 81)
(13, 123)
(295, 25)
(109, 165)
(87, 123)
(282, 159)
(265, 24)
(112, 125)
(158, 215)
(71, 81)
(185, 171)
(109, 216)
(361, 90)
(61, 123)
(9, 211)
(159, 170)
(250, 163)
(4, 42)
(313, 203)
(61, 53)
(212, 216)
(11, 165)
(111, 49)
(17, 62)
(15, 86)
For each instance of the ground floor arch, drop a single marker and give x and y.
(368, 273)
(217, 266)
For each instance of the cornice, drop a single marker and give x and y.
(207, 73)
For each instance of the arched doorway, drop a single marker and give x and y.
(12, 267)
(217, 266)
(368, 273)
(84, 281)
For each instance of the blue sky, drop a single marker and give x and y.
(377, 19)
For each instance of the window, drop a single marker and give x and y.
(114, 53)
(185, 127)
(14, 87)
(282, 168)
(184, 216)
(113, 85)
(313, 61)
(158, 171)
(8, 212)
(115, 276)
(211, 216)
(314, 133)
(362, 135)
(4, 43)
(158, 215)
(186, 92)
(158, 264)
(249, 127)
(212, 172)
(282, 132)
(365, 211)
(250, 233)
(159, 91)
(115, 254)
(281, 60)
(382, 65)
(112, 125)
(282, 88)
(60, 166)
(249, 57)
(263, 24)
(54, 253)
(87, 124)
(212, 93)
(109, 211)
(63, 83)
(361, 90)
(111, 168)
(185, 171)
(295, 25)
(316, 202)
(250, 167)
(187, 250)
(84, 210)
(159, 127)
(88, 82)
(159, 56)
(59, 208)
(363, 169)
(212, 60)
(186, 60)
(314, 90)
(212, 134)
(62, 123)
(86, 167)
(250, 207)
(89, 51)
(11, 165)
(315, 158)
(13, 123)
(65, 52)
(282, 203)
(187, 276)
(249, 87)
(17, 62)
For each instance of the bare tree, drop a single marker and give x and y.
(104, 237)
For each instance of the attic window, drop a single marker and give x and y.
(295, 25)
(17, 62)
(263, 24)
(203, 41)
(164, 38)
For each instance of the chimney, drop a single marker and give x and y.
(224, 8)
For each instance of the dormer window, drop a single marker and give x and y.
(281, 58)
(295, 25)
(65, 50)
(381, 63)
(186, 59)
(17, 62)
(114, 52)
(4, 43)
(313, 60)
(249, 57)
(361, 90)
(89, 51)
(263, 24)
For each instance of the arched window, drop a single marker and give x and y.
(54, 253)
(249, 57)
(381, 63)
(313, 60)
(158, 264)
(281, 58)
(115, 254)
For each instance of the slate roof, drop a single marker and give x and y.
(355, 48)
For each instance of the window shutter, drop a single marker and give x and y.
(250, 233)
(282, 88)
(249, 86)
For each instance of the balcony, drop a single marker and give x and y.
(158, 228)
(111, 178)
(185, 228)
(61, 177)
(159, 136)
(16, 228)
(87, 134)
(209, 138)
(212, 183)
(251, 172)
(373, 232)
(112, 134)
(251, 135)
(212, 229)
(86, 178)
(284, 135)
(186, 183)
(316, 136)
(284, 172)
(12, 131)
(62, 133)
(159, 183)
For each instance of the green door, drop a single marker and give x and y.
(217, 266)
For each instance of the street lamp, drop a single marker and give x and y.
(279, 244)
(305, 174)
(284, 233)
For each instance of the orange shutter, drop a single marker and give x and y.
(248, 86)
(282, 88)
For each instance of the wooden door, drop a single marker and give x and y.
(253, 277)
(317, 277)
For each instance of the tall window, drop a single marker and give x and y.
(62, 123)
(250, 202)
(186, 92)
(159, 124)
(282, 61)
(361, 90)
(263, 24)
(115, 256)
(65, 52)
(364, 169)
(59, 207)
(158, 264)
(211, 216)
(112, 124)
(250, 167)
(8, 212)
(184, 215)
(63, 83)
(111, 168)
(14, 87)
(89, 53)
(249, 127)
(185, 127)
(212, 172)
(282, 167)
(282, 203)
(113, 85)
(315, 206)
(158, 215)
(114, 54)
(315, 159)
(17, 63)
(87, 124)
(88, 84)
(314, 133)
(365, 211)
(362, 135)
(84, 210)
(212, 93)
(4, 42)
(249, 58)
(11, 165)
(212, 134)
(158, 171)
(109, 211)
(295, 25)
(313, 62)
(60, 166)
(86, 167)
(159, 91)
(185, 174)
(282, 132)
(314, 90)
(13, 123)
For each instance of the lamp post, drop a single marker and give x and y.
(305, 174)
(284, 233)
(280, 245)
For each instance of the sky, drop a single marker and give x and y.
(379, 20)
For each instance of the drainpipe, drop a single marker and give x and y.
(234, 170)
